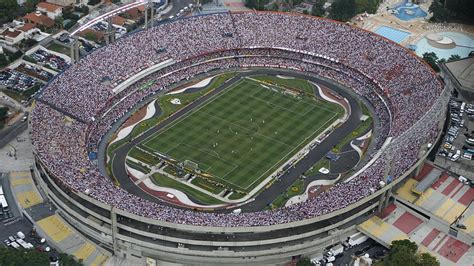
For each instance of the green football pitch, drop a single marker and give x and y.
(244, 133)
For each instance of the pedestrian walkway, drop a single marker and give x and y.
(24, 190)
(401, 223)
(64, 236)
(55, 228)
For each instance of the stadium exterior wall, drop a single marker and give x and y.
(106, 225)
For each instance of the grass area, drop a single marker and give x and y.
(59, 48)
(208, 185)
(361, 128)
(243, 133)
(138, 167)
(294, 83)
(168, 108)
(24, 95)
(324, 162)
(164, 181)
(143, 156)
(236, 195)
(297, 188)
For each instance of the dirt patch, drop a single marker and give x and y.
(137, 116)
(334, 96)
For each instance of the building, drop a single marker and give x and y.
(459, 75)
(12, 36)
(53, 11)
(39, 19)
(118, 20)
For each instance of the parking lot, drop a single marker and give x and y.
(35, 71)
(43, 57)
(15, 80)
(458, 142)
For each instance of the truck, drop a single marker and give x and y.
(335, 251)
(20, 235)
(355, 239)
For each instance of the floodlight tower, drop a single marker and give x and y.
(75, 50)
(110, 33)
(383, 202)
(148, 5)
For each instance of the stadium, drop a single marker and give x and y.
(79, 116)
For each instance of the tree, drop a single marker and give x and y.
(454, 57)
(304, 262)
(343, 10)
(8, 10)
(30, 5)
(440, 13)
(93, 2)
(3, 113)
(256, 4)
(91, 36)
(68, 260)
(405, 252)
(59, 21)
(22, 257)
(431, 59)
(3, 61)
(318, 8)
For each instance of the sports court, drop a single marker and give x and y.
(243, 133)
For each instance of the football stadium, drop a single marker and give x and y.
(233, 138)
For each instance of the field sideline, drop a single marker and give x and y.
(243, 133)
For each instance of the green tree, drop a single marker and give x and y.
(440, 13)
(93, 2)
(91, 36)
(68, 260)
(8, 10)
(30, 5)
(59, 22)
(405, 252)
(3, 61)
(22, 257)
(318, 8)
(431, 59)
(304, 262)
(256, 4)
(343, 10)
(3, 113)
(454, 57)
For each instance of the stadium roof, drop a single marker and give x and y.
(463, 71)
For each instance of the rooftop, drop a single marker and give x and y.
(463, 71)
(12, 33)
(39, 19)
(26, 27)
(48, 6)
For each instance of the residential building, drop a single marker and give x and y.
(12, 36)
(53, 11)
(39, 19)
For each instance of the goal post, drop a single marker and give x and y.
(191, 165)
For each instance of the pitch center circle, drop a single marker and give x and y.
(246, 128)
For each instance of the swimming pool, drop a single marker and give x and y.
(464, 45)
(407, 11)
(393, 34)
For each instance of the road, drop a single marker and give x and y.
(288, 178)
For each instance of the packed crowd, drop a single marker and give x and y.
(406, 96)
